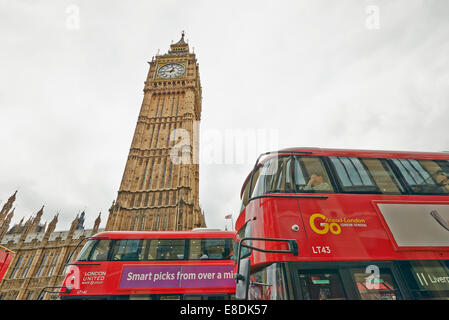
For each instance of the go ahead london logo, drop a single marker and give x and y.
(322, 225)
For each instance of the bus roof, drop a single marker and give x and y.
(444, 155)
(195, 234)
(368, 153)
(6, 249)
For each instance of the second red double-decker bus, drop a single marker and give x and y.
(345, 224)
(164, 265)
(6, 257)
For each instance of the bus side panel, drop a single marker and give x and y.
(343, 227)
(88, 279)
(275, 218)
(106, 278)
(347, 227)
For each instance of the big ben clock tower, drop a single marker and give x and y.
(159, 191)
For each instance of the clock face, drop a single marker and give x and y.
(171, 70)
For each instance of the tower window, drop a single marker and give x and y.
(41, 266)
(146, 199)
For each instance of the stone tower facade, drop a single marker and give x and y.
(160, 185)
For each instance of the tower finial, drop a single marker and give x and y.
(182, 35)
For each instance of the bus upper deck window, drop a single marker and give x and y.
(211, 249)
(129, 249)
(85, 251)
(383, 176)
(287, 174)
(353, 175)
(100, 251)
(266, 178)
(365, 175)
(425, 176)
(310, 175)
(166, 249)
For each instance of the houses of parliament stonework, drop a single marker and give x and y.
(157, 192)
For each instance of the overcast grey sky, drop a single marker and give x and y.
(340, 74)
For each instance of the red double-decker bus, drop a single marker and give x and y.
(165, 265)
(344, 224)
(6, 257)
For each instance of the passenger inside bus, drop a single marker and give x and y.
(442, 179)
(227, 253)
(164, 253)
(103, 256)
(101, 251)
(204, 255)
(317, 182)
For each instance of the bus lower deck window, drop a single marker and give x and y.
(317, 285)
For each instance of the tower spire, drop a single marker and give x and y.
(96, 224)
(182, 41)
(8, 205)
(179, 47)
